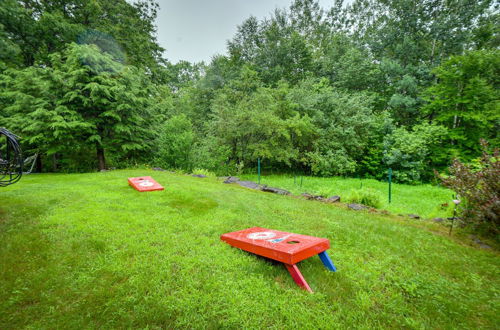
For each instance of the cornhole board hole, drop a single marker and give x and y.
(144, 183)
(287, 248)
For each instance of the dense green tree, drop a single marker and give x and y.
(40, 28)
(343, 121)
(411, 153)
(255, 121)
(31, 110)
(409, 38)
(466, 100)
(85, 100)
(175, 143)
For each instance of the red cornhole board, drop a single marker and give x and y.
(144, 183)
(287, 248)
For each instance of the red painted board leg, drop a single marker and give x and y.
(297, 277)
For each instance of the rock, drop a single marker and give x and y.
(158, 169)
(276, 190)
(333, 199)
(250, 184)
(481, 244)
(312, 197)
(357, 207)
(231, 179)
(198, 175)
(438, 219)
(413, 216)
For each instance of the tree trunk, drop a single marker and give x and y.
(39, 163)
(100, 157)
(54, 162)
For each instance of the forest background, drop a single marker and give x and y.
(349, 90)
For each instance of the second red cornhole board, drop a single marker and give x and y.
(287, 248)
(144, 183)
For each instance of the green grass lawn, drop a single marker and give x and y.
(88, 251)
(424, 200)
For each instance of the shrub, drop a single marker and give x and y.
(368, 197)
(175, 142)
(410, 152)
(478, 186)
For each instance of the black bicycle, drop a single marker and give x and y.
(11, 159)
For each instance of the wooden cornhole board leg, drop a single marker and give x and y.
(325, 258)
(297, 277)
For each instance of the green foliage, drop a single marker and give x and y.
(343, 121)
(370, 164)
(201, 171)
(479, 190)
(466, 100)
(409, 38)
(409, 153)
(85, 100)
(175, 142)
(347, 90)
(367, 196)
(42, 28)
(255, 121)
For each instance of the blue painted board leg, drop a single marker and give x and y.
(327, 261)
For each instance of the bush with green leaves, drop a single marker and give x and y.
(85, 105)
(366, 196)
(410, 153)
(342, 120)
(466, 100)
(175, 142)
(479, 191)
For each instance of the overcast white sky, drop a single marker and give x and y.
(195, 30)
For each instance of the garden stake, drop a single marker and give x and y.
(390, 184)
(456, 201)
(258, 167)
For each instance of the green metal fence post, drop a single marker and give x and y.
(390, 184)
(258, 167)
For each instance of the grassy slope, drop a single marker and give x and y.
(424, 200)
(85, 250)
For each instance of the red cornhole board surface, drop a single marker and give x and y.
(288, 248)
(144, 183)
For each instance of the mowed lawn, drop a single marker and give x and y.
(88, 251)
